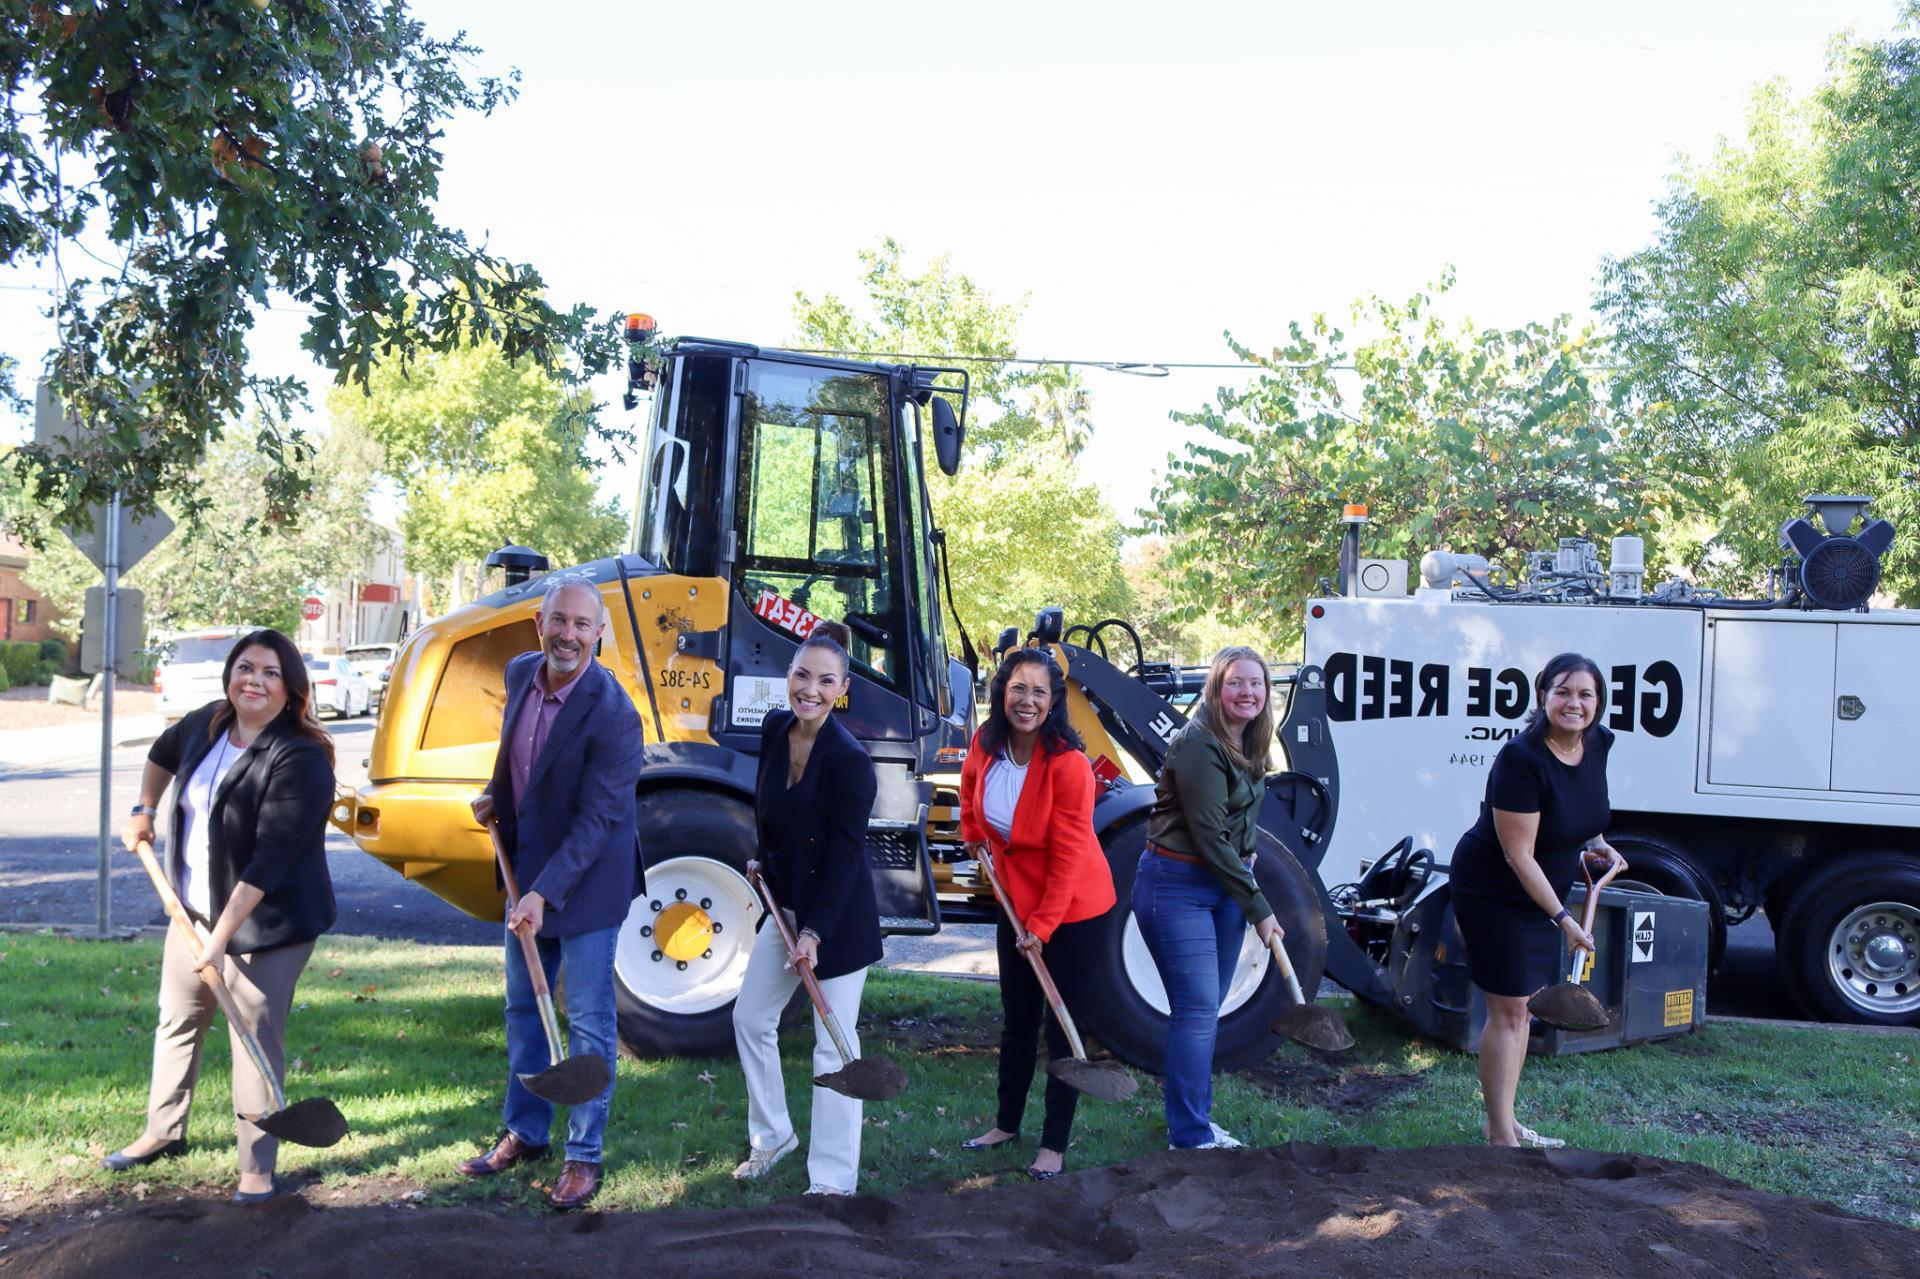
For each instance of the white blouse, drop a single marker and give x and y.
(1000, 792)
(196, 807)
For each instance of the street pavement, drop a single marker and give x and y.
(49, 807)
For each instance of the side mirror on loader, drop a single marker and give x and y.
(947, 435)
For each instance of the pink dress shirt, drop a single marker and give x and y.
(530, 730)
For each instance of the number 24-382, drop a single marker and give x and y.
(686, 679)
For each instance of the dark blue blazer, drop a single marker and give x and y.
(824, 840)
(574, 836)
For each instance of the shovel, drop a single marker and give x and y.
(313, 1122)
(1568, 1005)
(1107, 1080)
(568, 1081)
(862, 1078)
(1305, 1023)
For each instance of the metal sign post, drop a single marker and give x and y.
(108, 672)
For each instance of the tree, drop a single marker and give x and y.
(480, 451)
(1023, 530)
(233, 153)
(236, 566)
(1166, 634)
(1770, 333)
(1471, 439)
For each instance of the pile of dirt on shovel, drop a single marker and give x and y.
(1301, 1210)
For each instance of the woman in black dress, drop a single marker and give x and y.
(1546, 803)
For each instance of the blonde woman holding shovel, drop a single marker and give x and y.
(252, 779)
(1546, 802)
(1194, 892)
(813, 798)
(1026, 800)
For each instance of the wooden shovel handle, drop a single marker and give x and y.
(536, 972)
(1047, 987)
(1285, 964)
(805, 969)
(195, 939)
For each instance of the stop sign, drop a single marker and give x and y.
(312, 608)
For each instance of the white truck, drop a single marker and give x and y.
(1766, 754)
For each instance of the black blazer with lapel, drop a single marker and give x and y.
(574, 836)
(825, 841)
(268, 827)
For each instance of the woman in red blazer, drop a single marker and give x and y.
(1026, 793)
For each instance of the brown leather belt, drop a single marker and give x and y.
(1168, 853)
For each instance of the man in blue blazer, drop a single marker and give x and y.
(562, 793)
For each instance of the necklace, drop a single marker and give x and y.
(1566, 753)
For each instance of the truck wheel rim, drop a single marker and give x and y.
(1873, 958)
(1144, 975)
(684, 946)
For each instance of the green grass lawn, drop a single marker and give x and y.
(408, 1040)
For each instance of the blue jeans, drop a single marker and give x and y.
(1193, 929)
(588, 960)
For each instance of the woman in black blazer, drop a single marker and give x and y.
(814, 795)
(252, 778)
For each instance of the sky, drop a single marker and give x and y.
(1146, 177)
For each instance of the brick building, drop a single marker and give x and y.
(24, 615)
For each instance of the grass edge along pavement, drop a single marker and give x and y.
(408, 1039)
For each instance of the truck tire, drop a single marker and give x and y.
(1849, 945)
(1656, 863)
(697, 844)
(1127, 1004)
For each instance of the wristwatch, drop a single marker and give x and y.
(144, 810)
(1562, 913)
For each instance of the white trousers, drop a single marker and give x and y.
(833, 1148)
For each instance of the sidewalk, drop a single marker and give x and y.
(70, 743)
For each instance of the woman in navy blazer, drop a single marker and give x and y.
(813, 799)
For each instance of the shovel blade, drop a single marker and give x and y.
(570, 1082)
(314, 1122)
(866, 1079)
(1107, 1080)
(1318, 1028)
(1569, 1007)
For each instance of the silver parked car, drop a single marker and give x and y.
(338, 689)
(375, 664)
(187, 676)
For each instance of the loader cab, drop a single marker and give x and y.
(799, 482)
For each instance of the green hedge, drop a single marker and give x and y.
(5, 683)
(54, 651)
(21, 660)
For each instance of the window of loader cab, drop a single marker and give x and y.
(470, 699)
(674, 525)
(817, 507)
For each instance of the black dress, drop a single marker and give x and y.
(1512, 947)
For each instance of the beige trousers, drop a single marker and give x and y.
(262, 987)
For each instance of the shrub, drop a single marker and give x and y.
(5, 683)
(45, 670)
(21, 660)
(54, 651)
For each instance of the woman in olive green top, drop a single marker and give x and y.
(1194, 892)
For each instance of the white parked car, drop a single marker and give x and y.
(375, 664)
(187, 676)
(338, 689)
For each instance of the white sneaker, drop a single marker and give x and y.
(1222, 1140)
(821, 1188)
(758, 1162)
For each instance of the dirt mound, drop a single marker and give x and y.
(1298, 1209)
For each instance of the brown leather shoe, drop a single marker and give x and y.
(579, 1181)
(507, 1152)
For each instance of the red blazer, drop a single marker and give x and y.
(1052, 867)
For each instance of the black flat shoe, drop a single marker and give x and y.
(120, 1160)
(257, 1196)
(974, 1143)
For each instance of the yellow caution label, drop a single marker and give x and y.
(1679, 1008)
